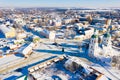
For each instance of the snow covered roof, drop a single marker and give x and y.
(107, 35)
(102, 77)
(7, 23)
(73, 59)
(46, 31)
(94, 36)
(5, 29)
(26, 48)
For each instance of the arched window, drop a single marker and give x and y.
(107, 40)
(91, 47)
(92, 41)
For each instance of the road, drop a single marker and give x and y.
(117, 48)
(23, 62)
(43, 51)
(107, 72)
(60, 40)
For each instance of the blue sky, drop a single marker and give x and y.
(60, 3)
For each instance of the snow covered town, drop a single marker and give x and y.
(59, 44)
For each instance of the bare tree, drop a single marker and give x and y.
(72, 33)
(69, 33)
(66, 33)
(116, 61)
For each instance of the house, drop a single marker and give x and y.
(48, 34)
(1, 53)
(67, 20)
(21, 35)
(102, 77)
(20, 21)
(8, 31)
(26, 49)
(86, 33)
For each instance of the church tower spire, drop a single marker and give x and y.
(107, 38)
(93, 45)
(107, 43)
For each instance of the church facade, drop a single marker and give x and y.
(94, 47)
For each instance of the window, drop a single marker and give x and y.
(91, 47)
(107, 40)
(91, 41)
(90, 51)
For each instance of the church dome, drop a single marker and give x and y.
(94, 36)
(107, 35)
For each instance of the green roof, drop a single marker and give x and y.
(94, 36)
(25, 78)
(107, 34)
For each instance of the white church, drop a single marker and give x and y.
(105, 49)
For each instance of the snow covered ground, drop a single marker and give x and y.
(71, 49)
(108, 71)
(57, 71)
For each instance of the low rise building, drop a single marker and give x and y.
(8, 31)
(87, 34)
(67, 20)
(26, 49)
(1, 53)
(20, 41)
(21, 36)
(48, 34)
(20, 21)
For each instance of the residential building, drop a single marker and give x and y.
(8, 31)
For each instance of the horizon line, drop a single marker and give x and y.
(55, 7)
